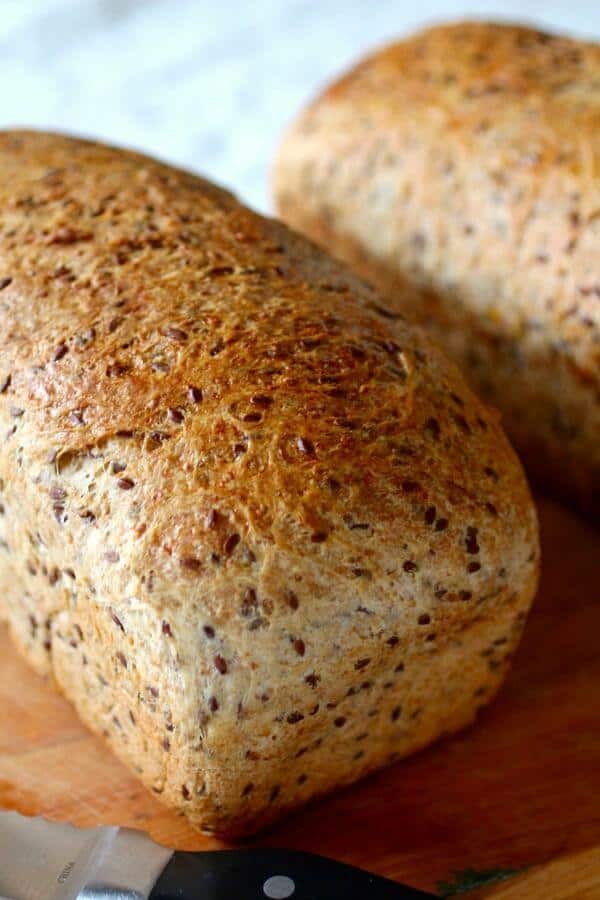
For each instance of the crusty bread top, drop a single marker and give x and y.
(278, 436)
(512, 87)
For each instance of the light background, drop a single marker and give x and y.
(208, 85)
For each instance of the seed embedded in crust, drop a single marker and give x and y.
(166, 629)
(159, 436)
(261, 400)
(305, 446)
(294, 718)
(125, 484)
(231, 543)
(340, 721)
(176, 334)
(209, 631)
(4, 283)
(116, 619)
(292, 599)
(424, 619)
(211, 519)
(114, 370)
(191, 563)
(115, 323)
(175, 415)
(194, 394)
(60, 351)
(471, 540)
(409, 486)
(220, 664)
(430, 514)
(249, 603)
(299, 646)
(396, 713)
(357, 353)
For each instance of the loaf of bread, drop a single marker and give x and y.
(257, 528)
(459, 171)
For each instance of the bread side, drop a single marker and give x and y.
(459, 172)
(256, 527)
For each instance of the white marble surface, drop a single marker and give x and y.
(203, 84)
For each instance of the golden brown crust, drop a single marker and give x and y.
(240, 500)
(459, 171)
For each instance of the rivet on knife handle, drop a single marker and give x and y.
(273, 874)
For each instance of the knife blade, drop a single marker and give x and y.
(43, 860)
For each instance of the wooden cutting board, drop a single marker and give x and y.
(520, 788)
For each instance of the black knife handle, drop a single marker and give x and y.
(271, 875)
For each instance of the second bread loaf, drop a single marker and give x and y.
(459, 171)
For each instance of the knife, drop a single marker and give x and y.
(42, 860)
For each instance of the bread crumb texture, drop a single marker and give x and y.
(459, 171)
(256, 527)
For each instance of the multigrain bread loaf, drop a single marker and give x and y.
(257, 528)
(459, 171)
